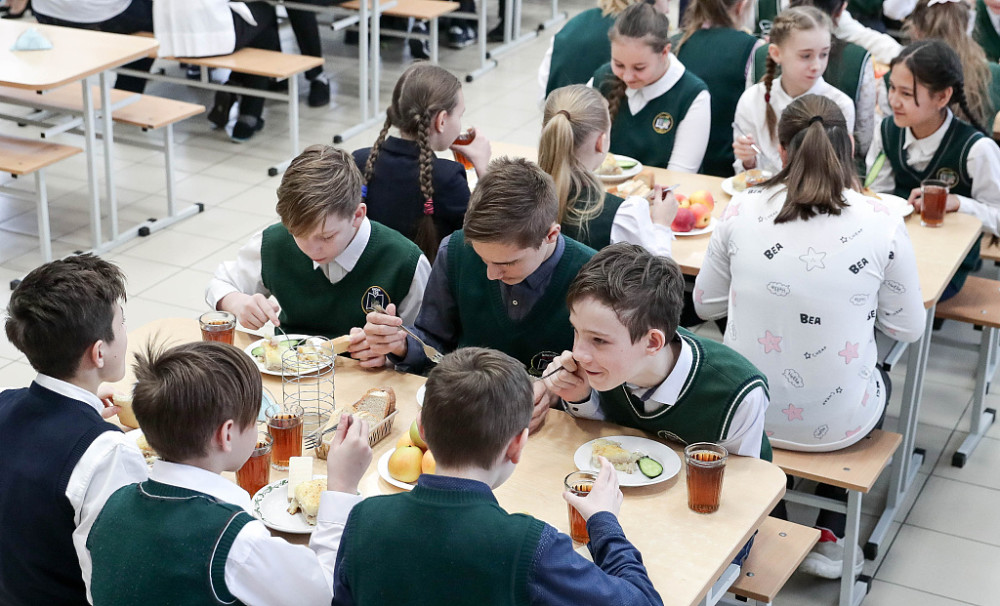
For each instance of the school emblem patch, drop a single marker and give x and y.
(374, 295)
(540, 361)
(662, 123)
(948, 176)
(671, 437)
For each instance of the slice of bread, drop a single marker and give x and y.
(622, 459)
(307, 499)
(379, 402)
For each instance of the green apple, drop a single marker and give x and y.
(415, 436)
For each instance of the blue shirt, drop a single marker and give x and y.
(559, 576)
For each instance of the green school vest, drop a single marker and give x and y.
(715, 387)
(985, 34)
(432, 547)
(310, 304)
(597, 234)
(484, 321)
(723, 74)
(579, 48)
(994, 94)
(948, 165)
(649, 135)
(157, 543)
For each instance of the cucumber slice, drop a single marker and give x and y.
(626, 164)
(290, 343)
(257, 352)
(650, 467)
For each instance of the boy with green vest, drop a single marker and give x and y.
(326, 263)
(632, 365)
(448, 541)
(185, 535)
(499, 282)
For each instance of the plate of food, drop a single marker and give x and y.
(745, 179)
(269, 354)
(420, 395)
(383, 471)
(617, 168)
(639, 461)
(147, 451)
(296, 514)
(897, 205)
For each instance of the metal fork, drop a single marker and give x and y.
(316, 438)
(432, 354)
(764, 159)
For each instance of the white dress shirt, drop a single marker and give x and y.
(982, 164)
(751, 111)
(80, 11)
(244, 273)
(746, 429)
(112, 461)
(262, 569)
(197, 28)
(633, 224)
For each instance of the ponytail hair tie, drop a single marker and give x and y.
(429, 206)
(565, 113)
(767, 97)
(817, 119)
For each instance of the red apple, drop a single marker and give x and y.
(703, 197)
(684, 221)
(702, 215)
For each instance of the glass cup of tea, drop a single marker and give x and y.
(934, 198)
(465, 138)
(256, 471)
(579, 483)
(705, 463)
(284, 423)
(217, 326)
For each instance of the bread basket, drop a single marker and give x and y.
(375, 435)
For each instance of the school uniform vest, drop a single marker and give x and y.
(42, 437)
(597, 233)
(311, 304)
(948, 165)
(579, 48)
(158, 543)
(483, 318)
(723, 74)
(985, 34)
(649, 135)
(432, 546)
(719, 380)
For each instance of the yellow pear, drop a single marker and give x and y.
(404, 464)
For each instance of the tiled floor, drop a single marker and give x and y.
(945, 551)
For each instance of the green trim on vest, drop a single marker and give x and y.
(649, 135)
(310, 304)
(188, 533)
(949, 164)
(715, 387)
(579, 48)
(427, 546)
(484, 321)
(985, 34)
(723, 74)
(598, 232)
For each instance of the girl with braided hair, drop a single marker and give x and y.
(924, 139)
(408, 187)
(800, 46)
(660, 111)
(575, 135)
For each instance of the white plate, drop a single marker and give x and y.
(383, 470)
(627, 173)
(270, 506)
(727, 184)
(697, 232)
(420, 395)
(661, 453)
(897, 205)
(260, 365)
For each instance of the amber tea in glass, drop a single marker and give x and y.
(218, 326)
(579, 483)
(705, 463)
(934, 198)
(464, 139)
(256, 471)
(285, 426)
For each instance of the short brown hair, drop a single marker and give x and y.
(477, 399)
(184, 393)
(644, 290)
(514, 203)
(320, 181)
(61, 309)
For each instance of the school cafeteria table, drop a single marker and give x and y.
(75, 56)
(684, 552)
(939, 251)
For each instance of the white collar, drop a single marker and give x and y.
(818, 87)
(932, 141)
(199, 480)
(661, 86)
(349, 258)
(69, 390)
(667, 392)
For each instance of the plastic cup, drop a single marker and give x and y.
(579, 483)
(934, 198)
(705, 463)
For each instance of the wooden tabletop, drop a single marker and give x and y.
(939, 250)
(684, 552)
(75, 54)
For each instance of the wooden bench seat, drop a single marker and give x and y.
(778, 549)
(257, 62)
(425, 10)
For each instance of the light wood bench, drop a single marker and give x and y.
(778, 549)
(978, 303)
(424, 10)
(30, 156)
(855, 469)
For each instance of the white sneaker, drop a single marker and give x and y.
(826, 559)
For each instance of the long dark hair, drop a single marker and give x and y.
(643, 22)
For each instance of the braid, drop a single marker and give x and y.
(771, 117)
(958, 95)
(376, 148)
(614, 92)
(426, 237)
